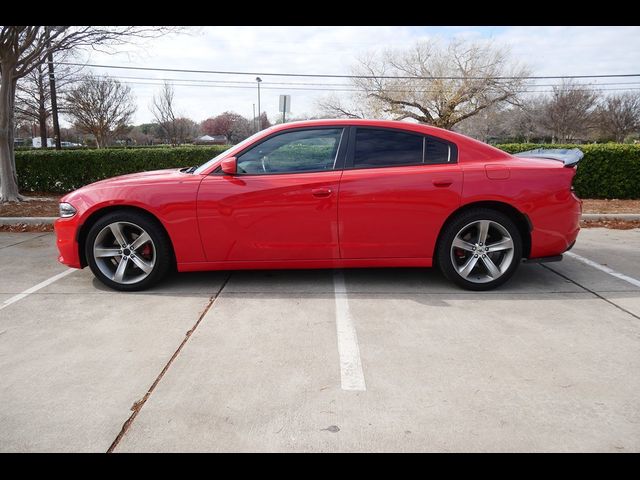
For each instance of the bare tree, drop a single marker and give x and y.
(619, 116)
(230, 124)
(524, 120)
(569, 112)
(488, 125)
(186, 130)
(436, 84)
(358, 106)
(163, 111)
(100, 106)
(22, 49)
(33, 94)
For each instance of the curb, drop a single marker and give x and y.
(27, 220)
(585, 216)
(610, 216)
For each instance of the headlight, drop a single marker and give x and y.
(67, 210)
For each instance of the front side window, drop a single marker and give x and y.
(291, 152)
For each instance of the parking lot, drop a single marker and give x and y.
(353, 360)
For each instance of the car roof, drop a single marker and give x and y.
(398, 124)
(480, 149)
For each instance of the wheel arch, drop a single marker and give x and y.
(521, 220)
(91, 220)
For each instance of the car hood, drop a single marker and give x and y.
(141, 178)
(132, 180)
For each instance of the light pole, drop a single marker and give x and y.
(254, 118)
(258, 79)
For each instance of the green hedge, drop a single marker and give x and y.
(65, 170)
(608, 170)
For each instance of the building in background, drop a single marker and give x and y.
(211, 140)
(37, 143)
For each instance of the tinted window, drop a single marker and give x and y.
(383, 148)
(297, 151)
(436, 152)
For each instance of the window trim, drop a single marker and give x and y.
(350, 156)
(338, 162)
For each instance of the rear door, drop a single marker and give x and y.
(396, 191)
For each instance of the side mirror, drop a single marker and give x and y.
(229, 166)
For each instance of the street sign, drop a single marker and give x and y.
(285, 104)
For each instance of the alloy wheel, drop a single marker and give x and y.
(124, 252)
(482, 251)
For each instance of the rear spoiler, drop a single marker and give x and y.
(570, 157)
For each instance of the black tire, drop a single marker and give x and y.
(161, 243)
(445, 258)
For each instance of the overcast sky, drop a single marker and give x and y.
(332, 50)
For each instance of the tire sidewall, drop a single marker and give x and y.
(155, 232)
(443, 256)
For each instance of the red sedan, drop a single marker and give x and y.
(330, 194)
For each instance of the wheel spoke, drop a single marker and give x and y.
(116, 229)
(141, 240)
(106, 252)
(504, 244)
(483, 231)
(141, 264)
(465, 270)
(459, 243)
(494, 272)
(118, 276)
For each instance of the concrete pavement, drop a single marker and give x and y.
(547, 363)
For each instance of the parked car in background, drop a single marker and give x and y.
(329, 194)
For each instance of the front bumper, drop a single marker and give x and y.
(66, 230)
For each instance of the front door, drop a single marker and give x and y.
(282, 204)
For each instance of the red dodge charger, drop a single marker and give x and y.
(330, 194)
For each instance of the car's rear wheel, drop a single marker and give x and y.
(480, 249)
(128, 251)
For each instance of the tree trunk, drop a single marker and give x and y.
(42, 109)
(8, 179)
(54, 103)
(42, 120)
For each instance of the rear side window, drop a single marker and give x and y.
(436, 151)
(388, 148)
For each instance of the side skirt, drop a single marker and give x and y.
(306, 264)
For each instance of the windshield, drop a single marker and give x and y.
(238, 146)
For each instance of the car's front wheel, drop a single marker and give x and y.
(480, 249)
(127, 250)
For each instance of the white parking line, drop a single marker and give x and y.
(351, 375)
(604, 268)
(35, 288)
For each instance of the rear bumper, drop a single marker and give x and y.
(555, 228)
(66, 240)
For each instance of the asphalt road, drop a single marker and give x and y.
(353, 360)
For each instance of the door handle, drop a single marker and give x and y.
(321, 192)
(445, 182)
